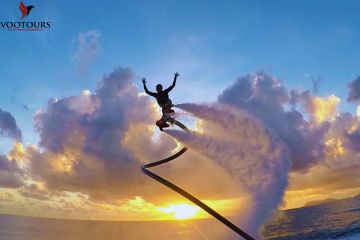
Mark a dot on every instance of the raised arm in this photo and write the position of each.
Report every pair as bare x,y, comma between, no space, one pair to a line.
174,83
147,90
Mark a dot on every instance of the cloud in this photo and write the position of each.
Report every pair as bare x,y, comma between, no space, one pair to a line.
88,47
11,175
36,191
263,96
354,90
353,139
335,174
8,126
324,180
81,137
250,141
17,152
6,197
309,127
316,133
341,143
321,182
95,143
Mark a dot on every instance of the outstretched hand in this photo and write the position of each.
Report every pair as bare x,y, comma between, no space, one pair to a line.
144,80
177,74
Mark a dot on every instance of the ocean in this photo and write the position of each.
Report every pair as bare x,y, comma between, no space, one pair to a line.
335,220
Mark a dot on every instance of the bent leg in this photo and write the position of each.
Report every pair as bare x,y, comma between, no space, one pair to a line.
162,123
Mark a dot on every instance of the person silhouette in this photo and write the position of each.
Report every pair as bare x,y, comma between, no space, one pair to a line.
162,98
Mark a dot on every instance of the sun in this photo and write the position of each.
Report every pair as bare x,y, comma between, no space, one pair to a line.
181,211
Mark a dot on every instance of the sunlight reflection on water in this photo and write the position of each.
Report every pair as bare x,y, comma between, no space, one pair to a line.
339,220
19,228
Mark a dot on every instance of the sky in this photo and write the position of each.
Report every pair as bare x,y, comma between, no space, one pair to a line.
209,43
69,71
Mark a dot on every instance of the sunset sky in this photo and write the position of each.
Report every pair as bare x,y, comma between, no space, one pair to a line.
75,125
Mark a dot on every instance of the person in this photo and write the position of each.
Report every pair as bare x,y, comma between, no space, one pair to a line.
162,98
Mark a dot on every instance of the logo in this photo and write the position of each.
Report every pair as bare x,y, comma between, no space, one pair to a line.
25,25
25,10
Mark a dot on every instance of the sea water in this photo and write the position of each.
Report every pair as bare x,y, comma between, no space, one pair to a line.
336,220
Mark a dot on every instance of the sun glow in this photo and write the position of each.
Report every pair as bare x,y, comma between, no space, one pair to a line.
181,211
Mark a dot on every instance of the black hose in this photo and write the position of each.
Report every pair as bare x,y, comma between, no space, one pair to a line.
186,194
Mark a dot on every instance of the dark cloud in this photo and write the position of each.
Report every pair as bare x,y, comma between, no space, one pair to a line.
11,176
299,97
353,140
263,96
8,126
354,90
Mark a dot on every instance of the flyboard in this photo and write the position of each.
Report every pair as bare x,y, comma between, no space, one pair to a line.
145,167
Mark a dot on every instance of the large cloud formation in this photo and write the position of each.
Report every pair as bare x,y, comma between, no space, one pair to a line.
95,143
256,136
309,128
8,126
83,139
263,96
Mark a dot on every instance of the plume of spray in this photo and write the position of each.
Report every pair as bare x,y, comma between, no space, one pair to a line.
252,154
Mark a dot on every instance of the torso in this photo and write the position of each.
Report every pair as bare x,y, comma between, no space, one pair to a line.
162,98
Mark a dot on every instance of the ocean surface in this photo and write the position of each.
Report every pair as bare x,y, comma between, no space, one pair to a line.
335,220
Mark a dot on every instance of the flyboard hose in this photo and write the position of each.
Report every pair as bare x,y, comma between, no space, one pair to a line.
185,194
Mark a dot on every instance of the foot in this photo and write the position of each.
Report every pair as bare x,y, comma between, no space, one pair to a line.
165,125
162,125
